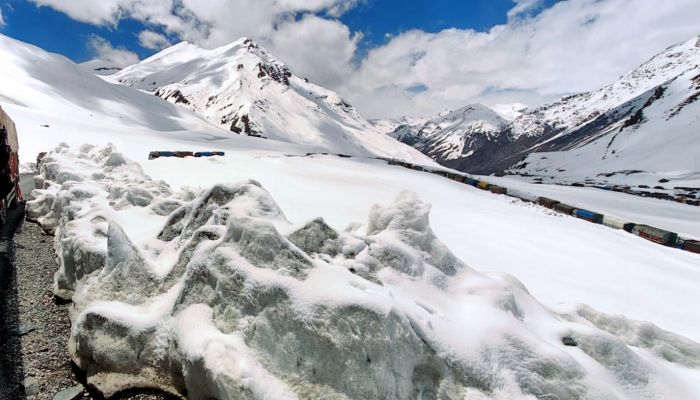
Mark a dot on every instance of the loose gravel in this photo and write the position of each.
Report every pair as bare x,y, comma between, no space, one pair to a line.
37,326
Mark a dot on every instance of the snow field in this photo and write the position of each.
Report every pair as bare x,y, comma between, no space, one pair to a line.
228,299
560,259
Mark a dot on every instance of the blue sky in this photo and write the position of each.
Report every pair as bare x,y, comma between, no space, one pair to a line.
378,20
56,32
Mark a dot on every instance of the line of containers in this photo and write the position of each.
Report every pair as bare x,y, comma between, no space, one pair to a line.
656,235
685,198
181,154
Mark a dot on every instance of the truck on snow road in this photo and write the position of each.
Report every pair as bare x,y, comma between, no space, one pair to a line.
10,193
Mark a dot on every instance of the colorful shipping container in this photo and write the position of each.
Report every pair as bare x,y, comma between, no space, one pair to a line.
589,215
546,202
656,235
209,153
692,246
498,190
564,208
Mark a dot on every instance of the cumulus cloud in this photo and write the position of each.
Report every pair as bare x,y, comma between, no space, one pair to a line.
103,50
319,48
153,40
212,21
539,54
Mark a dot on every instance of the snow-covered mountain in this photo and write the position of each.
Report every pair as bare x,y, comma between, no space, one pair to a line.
388,125
619,127
53,89
243,88
510,111
455,134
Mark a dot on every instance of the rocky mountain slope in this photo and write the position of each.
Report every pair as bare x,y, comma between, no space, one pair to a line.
453,135
618,127
243,88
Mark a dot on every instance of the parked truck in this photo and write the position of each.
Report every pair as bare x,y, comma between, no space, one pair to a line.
10,193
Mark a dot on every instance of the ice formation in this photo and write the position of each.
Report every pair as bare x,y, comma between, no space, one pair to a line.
229,300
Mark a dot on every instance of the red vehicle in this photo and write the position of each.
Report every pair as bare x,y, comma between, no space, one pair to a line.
10,193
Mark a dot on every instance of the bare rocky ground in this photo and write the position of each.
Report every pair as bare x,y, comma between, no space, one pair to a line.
35,327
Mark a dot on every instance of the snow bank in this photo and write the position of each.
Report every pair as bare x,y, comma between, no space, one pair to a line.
228,299
79,193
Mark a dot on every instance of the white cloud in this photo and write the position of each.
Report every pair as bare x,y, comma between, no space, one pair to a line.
207,20
572,46
153,40
94,12
2,20
104,51
319,48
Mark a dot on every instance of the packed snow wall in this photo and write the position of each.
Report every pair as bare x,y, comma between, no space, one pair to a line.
212,293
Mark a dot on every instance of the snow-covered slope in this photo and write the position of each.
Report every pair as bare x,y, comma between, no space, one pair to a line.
244,89
645,121
659,138
100,67
586,108
388,125
35,81
510,111
223,297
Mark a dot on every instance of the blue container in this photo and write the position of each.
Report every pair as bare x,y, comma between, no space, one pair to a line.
589,216
470,181
208,153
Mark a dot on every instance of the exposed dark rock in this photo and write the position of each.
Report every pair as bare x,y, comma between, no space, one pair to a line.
242,124
176,96
276,72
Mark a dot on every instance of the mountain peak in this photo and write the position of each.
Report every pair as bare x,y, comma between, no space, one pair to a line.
245,89
468,116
